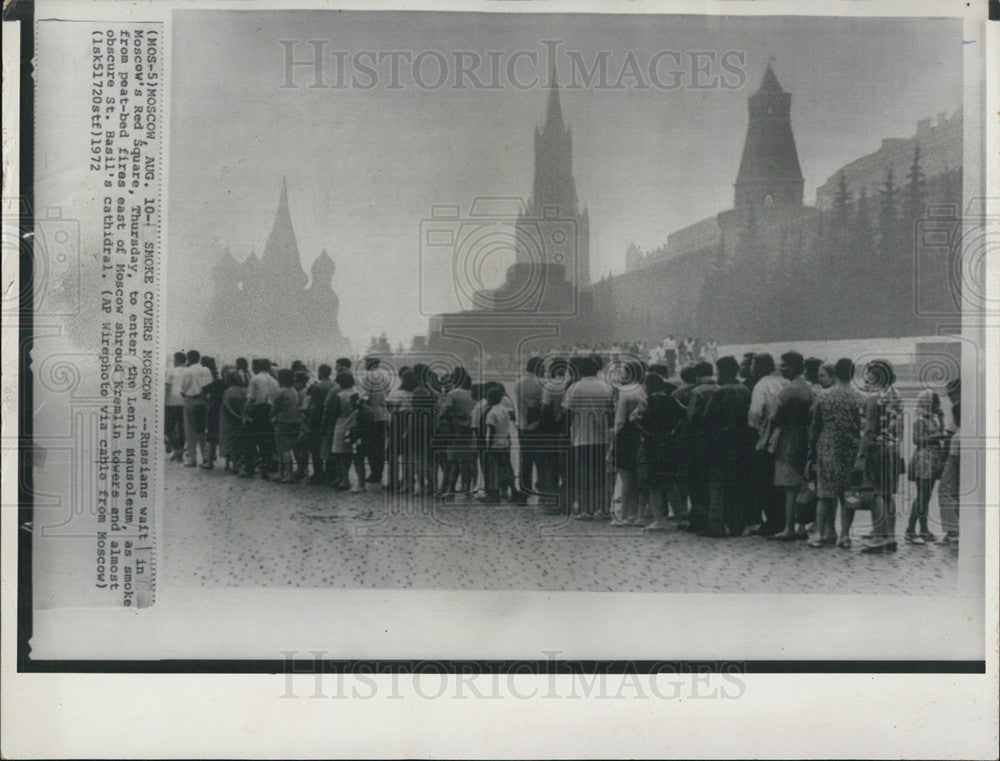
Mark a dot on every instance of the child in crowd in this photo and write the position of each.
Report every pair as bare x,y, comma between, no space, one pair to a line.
285,419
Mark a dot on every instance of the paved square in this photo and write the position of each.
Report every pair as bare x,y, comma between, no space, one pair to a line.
226,531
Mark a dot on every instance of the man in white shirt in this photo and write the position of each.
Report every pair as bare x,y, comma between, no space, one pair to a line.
196,377
763,403
590,405
173,415
261,392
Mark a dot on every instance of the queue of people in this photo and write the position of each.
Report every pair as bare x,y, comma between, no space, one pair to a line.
780,450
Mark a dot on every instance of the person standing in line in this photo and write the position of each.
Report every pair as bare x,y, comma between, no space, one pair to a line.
344,413
670,354
478,423
285,423
590,405
820,378
260,436
316,395
627,441
926,463
375,389
497,424
698,474
553,429
728,451
746,371
711,350
328,422
768,384
212,393
684,442
948,491
834,435
234,400
243,369
691,349
528,395
790,441
658,417
878,453
811,372
455,408
196,377
423,405
173,415
300,449
400,476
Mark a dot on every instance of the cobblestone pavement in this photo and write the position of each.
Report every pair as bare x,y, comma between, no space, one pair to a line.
221,530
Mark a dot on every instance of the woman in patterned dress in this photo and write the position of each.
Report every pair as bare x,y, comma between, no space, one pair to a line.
833,444
926,463
878,453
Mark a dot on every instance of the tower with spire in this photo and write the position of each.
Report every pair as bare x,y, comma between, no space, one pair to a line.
554,184
556,273
769,175
280,262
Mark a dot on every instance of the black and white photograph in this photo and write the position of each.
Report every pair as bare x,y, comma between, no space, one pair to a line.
580,303
585,344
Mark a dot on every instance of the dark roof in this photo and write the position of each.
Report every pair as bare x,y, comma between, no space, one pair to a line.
770,82
769,150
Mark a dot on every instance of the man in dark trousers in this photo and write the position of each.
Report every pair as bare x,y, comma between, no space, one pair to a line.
728,447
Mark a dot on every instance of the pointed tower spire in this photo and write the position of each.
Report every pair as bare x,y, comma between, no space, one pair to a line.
770,81
554,184
553,114
769,175
280,261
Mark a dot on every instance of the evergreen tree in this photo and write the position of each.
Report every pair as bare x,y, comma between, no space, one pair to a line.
888,218
842,201
915,196
893,275
914,209
861,273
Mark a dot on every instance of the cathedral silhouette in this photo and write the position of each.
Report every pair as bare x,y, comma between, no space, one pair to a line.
269,306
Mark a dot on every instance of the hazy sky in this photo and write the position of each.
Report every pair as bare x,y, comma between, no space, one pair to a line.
364,166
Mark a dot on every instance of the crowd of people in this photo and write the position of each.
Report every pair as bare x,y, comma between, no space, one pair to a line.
730,448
